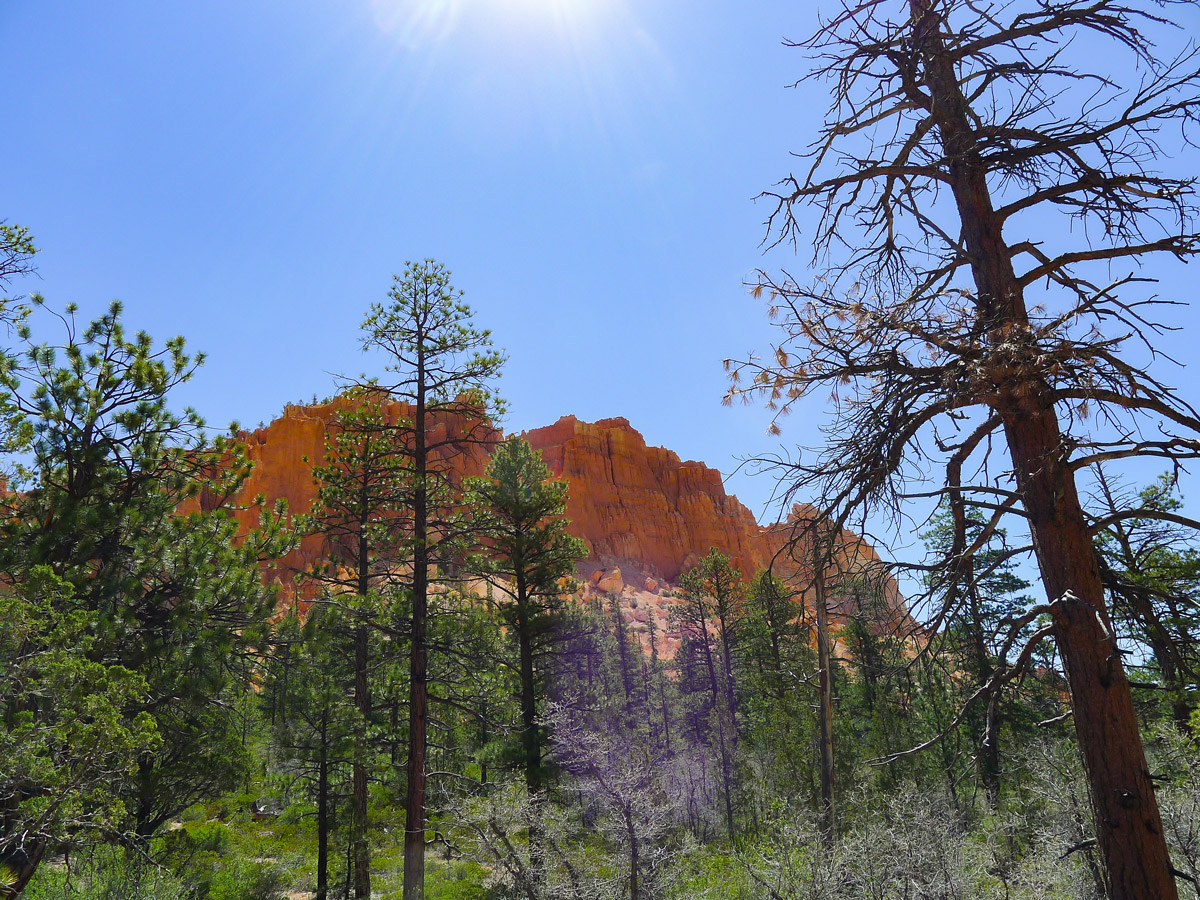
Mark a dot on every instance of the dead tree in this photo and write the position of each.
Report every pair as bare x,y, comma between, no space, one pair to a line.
988,193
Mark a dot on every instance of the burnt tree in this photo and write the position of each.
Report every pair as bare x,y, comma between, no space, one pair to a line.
988,192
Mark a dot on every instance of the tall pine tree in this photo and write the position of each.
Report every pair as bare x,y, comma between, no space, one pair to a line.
444,368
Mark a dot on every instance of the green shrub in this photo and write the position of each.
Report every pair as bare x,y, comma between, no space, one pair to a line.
105,875
240,879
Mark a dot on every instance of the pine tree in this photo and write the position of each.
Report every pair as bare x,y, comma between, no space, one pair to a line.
778,687
445,367
527,554
715,603
316,730
71,730
517,512
1150,561
123,507
980,594
360,511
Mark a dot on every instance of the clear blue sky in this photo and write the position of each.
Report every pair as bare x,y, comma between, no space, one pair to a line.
250,174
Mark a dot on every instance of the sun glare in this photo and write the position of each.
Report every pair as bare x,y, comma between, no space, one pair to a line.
422,22
528,67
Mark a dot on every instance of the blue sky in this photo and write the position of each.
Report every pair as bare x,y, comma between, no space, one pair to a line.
250,174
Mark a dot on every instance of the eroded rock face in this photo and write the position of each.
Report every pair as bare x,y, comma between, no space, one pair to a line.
643,505
646,515
649,516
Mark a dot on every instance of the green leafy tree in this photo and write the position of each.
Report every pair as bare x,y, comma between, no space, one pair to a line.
71,735
444,370
124,506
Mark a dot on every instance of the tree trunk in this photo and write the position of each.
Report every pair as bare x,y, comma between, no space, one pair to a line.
989,751
720,713
727,652
358,820
418,712
634,861
484,737
323,818
825,688
418,719
989,740
530,738
361,849
726,773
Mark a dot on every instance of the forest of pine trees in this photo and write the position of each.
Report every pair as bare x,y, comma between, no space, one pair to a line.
435,708
171,729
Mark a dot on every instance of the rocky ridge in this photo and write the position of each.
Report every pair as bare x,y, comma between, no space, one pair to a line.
646,515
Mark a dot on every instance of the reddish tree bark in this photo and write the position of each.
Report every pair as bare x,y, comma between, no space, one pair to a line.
1128,825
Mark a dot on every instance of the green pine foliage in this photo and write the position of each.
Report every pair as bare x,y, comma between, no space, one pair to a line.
73,727
528,558
1151,565
120,535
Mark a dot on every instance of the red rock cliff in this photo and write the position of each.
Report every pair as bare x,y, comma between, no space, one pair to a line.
649,516
642,505
646,514
284,453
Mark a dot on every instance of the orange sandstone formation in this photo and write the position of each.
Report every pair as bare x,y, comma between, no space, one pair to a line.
642,506
646,515
283,455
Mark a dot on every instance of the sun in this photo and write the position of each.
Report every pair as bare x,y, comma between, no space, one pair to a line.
424,22
540,6
416,22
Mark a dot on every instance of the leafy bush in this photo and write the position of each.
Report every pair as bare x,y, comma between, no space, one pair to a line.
239,879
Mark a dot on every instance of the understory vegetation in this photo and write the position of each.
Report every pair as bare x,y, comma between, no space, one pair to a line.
428,705
636,791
